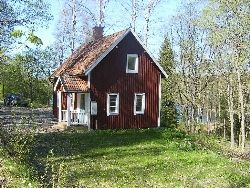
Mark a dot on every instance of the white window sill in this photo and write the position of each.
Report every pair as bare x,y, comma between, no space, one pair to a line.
139,113
113,114
133,72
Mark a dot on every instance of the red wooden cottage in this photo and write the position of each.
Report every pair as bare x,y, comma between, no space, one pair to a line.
113,82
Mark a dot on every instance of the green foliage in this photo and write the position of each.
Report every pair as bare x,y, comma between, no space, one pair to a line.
169,113
34,39
16,33
27,74
167,56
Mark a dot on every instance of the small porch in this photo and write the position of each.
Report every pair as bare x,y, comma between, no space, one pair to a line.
72,101
74,108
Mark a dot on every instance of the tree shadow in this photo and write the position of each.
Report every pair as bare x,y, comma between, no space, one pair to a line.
75,143
69,146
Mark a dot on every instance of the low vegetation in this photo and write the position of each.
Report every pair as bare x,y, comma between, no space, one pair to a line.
13,174
144,158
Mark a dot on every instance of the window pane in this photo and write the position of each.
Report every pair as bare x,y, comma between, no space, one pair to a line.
82,102
138,102
112,100
113,103
112,109
131,63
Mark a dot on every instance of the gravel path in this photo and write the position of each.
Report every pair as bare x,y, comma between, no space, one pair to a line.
42,118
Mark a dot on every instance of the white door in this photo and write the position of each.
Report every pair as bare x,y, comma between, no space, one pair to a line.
83,117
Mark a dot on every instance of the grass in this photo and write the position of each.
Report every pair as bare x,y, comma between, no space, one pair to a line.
135,158
13,174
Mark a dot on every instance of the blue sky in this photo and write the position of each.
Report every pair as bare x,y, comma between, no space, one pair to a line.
165,10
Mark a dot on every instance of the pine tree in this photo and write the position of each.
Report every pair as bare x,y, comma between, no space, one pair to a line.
168,110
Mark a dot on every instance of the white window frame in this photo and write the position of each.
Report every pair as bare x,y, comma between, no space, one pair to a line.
143,103
108,104
136,63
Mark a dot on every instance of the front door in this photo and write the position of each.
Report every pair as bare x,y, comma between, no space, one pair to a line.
82,108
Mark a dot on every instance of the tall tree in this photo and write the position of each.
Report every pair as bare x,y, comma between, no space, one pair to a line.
169,112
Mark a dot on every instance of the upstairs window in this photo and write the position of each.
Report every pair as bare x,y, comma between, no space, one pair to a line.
132,63
113,104
139,103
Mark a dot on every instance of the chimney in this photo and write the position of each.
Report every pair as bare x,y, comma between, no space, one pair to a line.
97,32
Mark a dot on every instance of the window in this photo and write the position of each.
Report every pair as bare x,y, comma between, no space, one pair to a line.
82,101
132,63
139,103
113,104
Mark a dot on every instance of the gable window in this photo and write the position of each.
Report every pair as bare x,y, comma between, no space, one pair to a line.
132,63
139,103
113,104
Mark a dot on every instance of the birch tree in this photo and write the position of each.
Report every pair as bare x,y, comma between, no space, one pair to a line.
74,27
229,27
148,12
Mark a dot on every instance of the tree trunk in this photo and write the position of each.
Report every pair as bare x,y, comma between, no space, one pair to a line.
242,110
73,25
3,91
208,127
230,106
224,129
134,14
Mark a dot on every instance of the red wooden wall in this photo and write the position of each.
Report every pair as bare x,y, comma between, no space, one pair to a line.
110,76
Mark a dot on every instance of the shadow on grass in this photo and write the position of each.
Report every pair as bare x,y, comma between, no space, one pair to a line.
69,145
74,143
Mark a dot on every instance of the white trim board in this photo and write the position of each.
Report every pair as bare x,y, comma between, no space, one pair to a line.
117,104
159,117
57,82
89,69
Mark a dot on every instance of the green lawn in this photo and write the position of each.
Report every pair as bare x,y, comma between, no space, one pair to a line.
140,158
14,174
134,158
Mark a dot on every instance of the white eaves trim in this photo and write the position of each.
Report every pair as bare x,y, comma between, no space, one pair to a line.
57,82
88,70
150,55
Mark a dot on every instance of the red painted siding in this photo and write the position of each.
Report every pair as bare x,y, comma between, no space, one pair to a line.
110,76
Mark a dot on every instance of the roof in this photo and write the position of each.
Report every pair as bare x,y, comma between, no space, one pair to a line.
88,56
73,83
85,55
